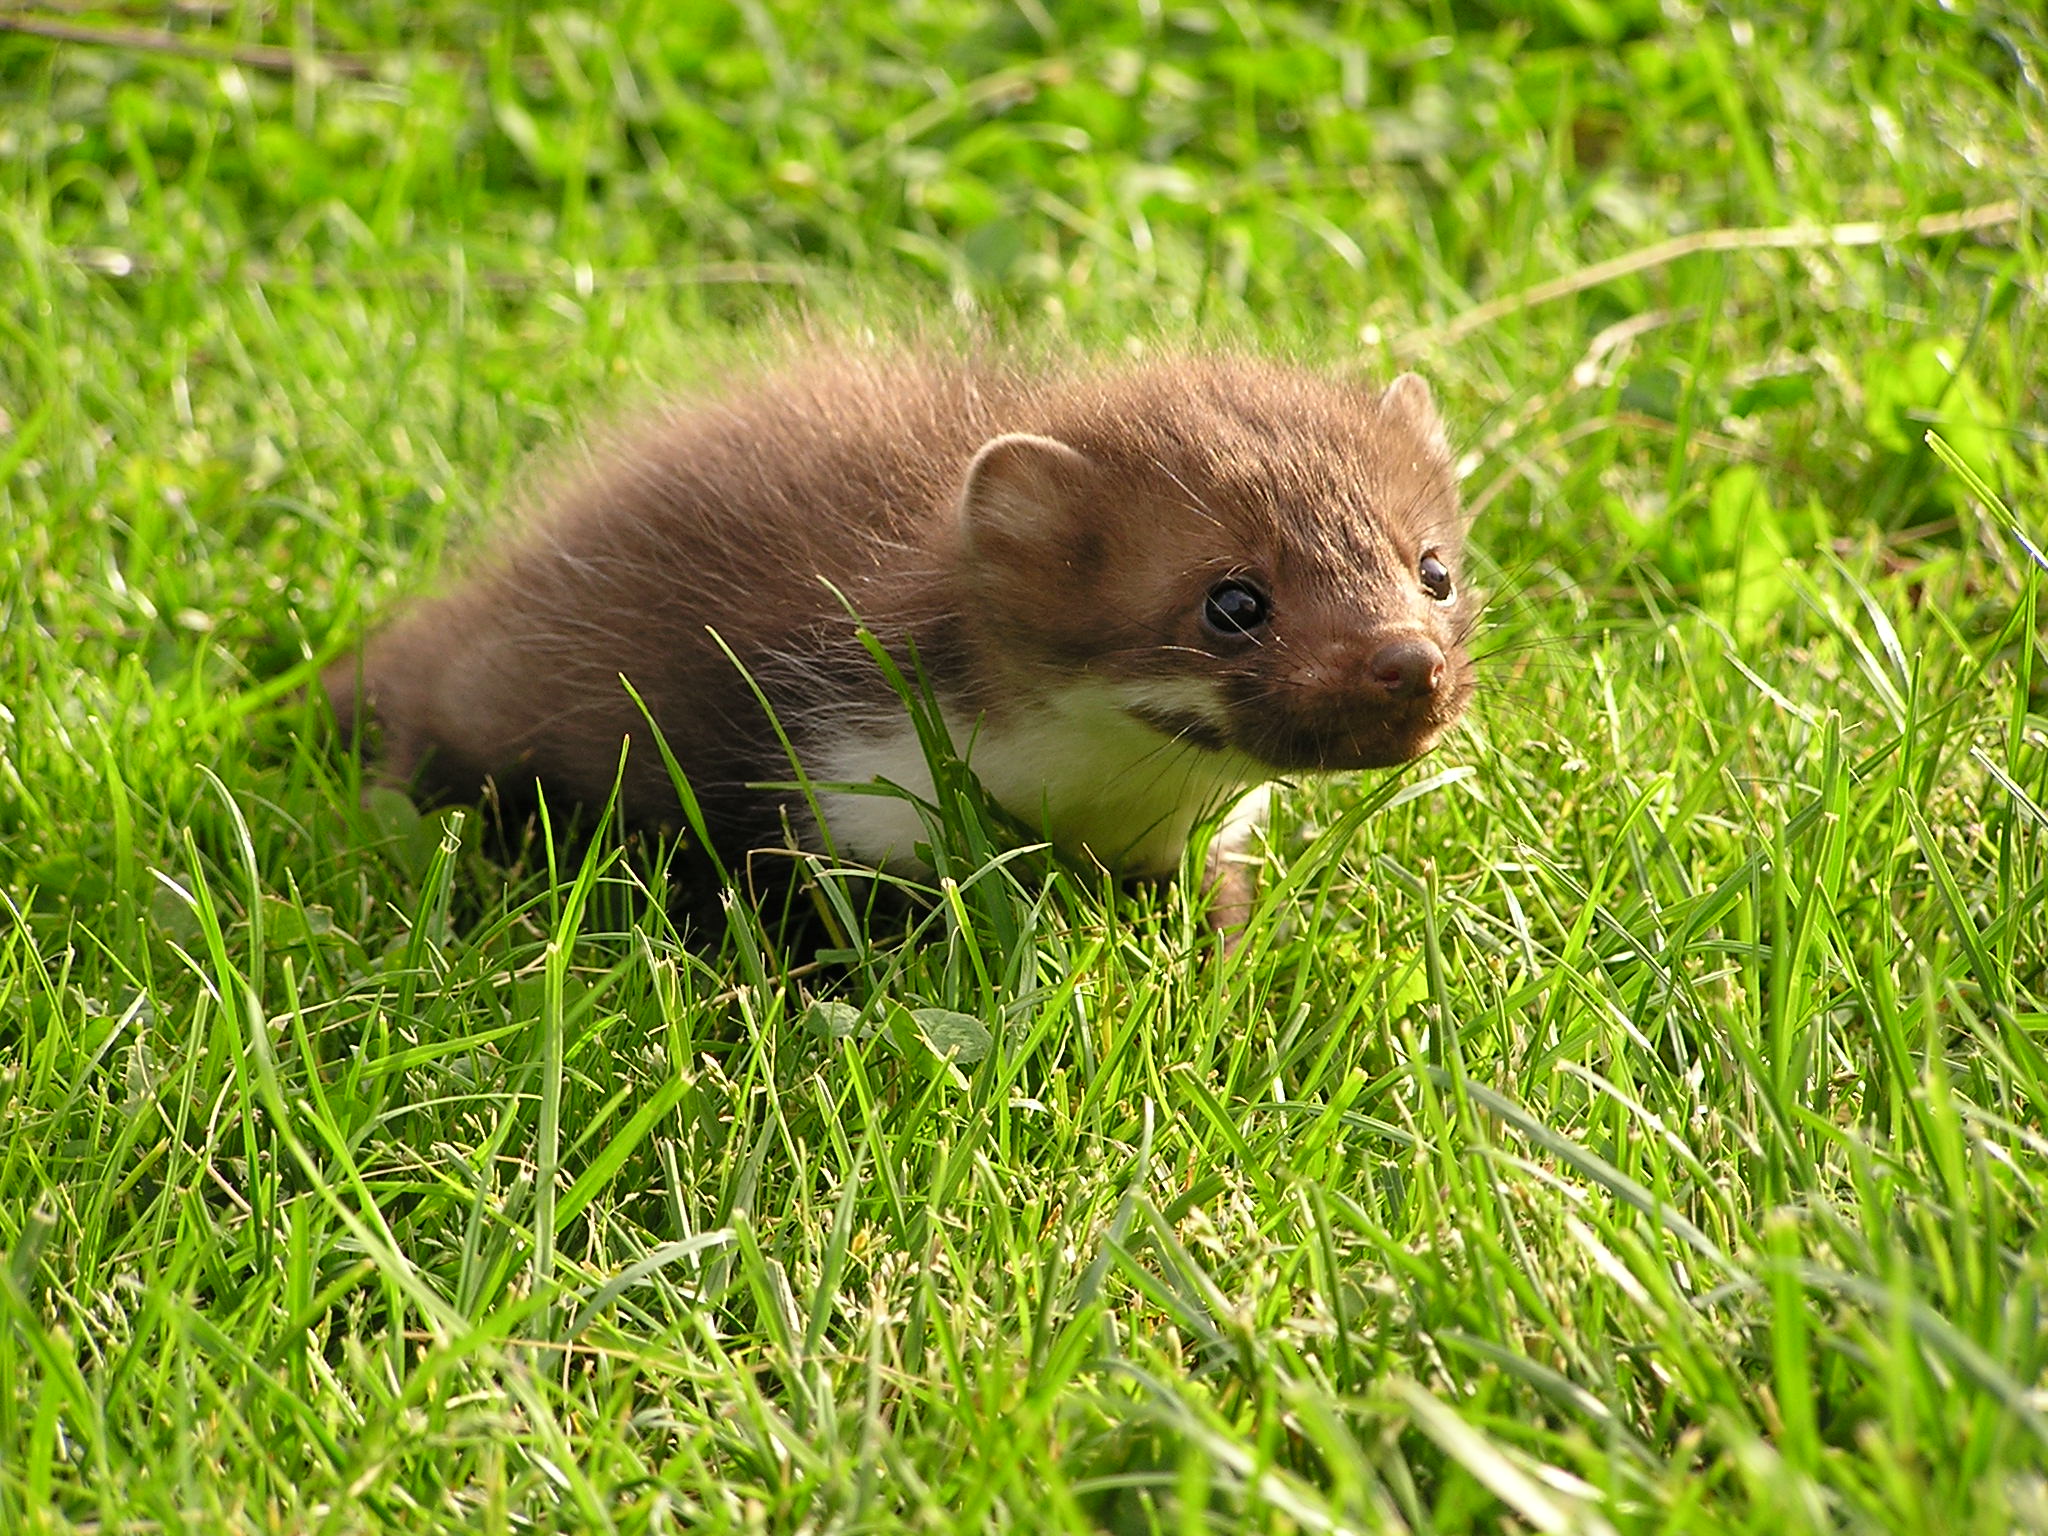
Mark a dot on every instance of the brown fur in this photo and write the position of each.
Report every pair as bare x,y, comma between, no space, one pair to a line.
1014,574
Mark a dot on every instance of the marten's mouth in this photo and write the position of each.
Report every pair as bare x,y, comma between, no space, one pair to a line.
1358,744
1318,753
1328,739
1300,735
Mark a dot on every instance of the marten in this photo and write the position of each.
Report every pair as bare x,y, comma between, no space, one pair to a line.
1136,593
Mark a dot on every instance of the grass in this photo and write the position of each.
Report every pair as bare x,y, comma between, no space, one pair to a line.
1632,1118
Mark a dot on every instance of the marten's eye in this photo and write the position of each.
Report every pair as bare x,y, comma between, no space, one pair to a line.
1235,609
1436,577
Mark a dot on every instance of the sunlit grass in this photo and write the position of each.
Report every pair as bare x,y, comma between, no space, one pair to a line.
1640,1127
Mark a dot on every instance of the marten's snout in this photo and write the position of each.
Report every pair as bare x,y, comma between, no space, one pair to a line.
1410,667
1356,701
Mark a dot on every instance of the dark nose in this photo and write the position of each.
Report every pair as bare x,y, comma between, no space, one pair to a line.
1408,668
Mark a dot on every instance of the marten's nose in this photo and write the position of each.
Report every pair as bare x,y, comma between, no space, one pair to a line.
1408,668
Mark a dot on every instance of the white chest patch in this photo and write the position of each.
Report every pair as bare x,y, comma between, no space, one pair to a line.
1092,780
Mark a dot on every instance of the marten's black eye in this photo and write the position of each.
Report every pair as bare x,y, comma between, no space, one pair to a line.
1234,609
1436,577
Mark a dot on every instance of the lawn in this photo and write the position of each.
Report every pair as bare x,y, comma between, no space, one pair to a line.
1632,1117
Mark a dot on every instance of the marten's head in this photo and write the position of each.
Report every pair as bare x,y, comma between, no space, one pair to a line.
1248,558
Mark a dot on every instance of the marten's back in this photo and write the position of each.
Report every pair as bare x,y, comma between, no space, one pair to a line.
726,517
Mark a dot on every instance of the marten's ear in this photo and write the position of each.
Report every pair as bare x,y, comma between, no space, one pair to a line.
1409,401
1017,487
